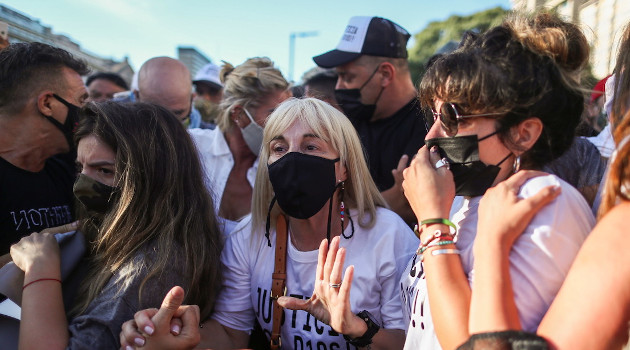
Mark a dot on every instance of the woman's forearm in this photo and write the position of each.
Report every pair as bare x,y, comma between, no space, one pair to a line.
43,322
448,292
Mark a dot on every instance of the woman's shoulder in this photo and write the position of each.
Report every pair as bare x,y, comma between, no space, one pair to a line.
569,198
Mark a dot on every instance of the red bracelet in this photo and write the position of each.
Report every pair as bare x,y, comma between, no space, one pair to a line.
39,280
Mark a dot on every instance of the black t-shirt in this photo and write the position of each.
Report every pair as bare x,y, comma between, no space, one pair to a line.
31,202
386,140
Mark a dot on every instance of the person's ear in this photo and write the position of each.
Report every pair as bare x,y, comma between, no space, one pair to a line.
526,133
44,103
235,114
387,71
342,175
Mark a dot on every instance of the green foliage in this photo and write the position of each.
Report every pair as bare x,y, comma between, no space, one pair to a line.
439,33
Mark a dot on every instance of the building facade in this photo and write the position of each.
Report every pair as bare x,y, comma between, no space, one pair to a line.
192,58
602,21
22,28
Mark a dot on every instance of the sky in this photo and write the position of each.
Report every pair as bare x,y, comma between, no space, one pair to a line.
228,30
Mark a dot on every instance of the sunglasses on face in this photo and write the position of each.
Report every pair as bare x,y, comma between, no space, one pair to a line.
450,118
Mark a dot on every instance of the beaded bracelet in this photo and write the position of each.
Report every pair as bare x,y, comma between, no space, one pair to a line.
437,234
433,244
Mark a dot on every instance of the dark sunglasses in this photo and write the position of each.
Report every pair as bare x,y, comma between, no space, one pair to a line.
450,118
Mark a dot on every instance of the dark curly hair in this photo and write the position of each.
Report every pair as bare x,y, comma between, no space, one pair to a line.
526,67
28,68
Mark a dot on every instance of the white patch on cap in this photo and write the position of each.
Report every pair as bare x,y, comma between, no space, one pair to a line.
354,36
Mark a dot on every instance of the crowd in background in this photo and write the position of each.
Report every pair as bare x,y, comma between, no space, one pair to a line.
482,209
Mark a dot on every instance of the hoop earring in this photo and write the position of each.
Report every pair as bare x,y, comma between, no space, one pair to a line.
516,166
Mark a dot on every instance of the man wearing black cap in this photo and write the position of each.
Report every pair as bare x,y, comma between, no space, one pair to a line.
375,91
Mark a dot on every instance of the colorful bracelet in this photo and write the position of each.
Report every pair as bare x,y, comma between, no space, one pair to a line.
39,280
445,251
437,234
434,244
439,221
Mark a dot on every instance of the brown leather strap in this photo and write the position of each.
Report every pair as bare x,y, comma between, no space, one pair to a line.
279,277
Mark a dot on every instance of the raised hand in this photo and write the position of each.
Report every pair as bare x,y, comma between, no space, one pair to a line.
330,302
429,190
515,212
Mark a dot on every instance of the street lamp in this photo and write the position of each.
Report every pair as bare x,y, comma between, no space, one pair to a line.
292,37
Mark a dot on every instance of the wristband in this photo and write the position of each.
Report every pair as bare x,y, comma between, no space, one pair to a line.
39,280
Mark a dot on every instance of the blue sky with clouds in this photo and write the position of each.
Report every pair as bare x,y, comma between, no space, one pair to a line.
230,30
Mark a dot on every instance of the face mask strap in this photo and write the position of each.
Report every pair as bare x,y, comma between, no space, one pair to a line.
268,222
488,136
370,78
504,159
249,115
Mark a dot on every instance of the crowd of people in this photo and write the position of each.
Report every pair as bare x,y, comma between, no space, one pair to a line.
224,211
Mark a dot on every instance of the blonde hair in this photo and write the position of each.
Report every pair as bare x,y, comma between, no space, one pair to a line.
334,128
247,85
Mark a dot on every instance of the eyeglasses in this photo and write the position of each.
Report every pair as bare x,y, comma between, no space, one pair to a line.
450,118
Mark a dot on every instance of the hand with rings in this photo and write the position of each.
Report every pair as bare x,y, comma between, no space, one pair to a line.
429,190
442,163
330,302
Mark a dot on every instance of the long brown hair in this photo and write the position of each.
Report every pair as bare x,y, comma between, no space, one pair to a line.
163,204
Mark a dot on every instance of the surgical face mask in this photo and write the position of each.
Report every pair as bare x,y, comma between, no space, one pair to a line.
72,121
472,177
96,197
610,94
350,102
252,134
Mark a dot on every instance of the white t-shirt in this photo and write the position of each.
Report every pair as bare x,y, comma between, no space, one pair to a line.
539,261
217,162
379,256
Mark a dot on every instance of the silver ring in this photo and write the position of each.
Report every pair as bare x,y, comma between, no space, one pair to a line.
335,285
441,163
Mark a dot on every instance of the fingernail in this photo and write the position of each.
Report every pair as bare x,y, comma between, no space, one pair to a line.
138,341
175,329
434,149
128,347
148,330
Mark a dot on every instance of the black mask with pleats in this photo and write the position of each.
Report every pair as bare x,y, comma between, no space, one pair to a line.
472,177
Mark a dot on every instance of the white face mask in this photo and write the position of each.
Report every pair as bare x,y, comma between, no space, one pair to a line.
252,134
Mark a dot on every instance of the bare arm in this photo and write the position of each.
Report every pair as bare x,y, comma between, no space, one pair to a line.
43,322
597,287
430,192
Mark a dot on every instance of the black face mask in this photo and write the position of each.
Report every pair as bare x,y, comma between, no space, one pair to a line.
350,102
72,121
472,177
302,183
96,197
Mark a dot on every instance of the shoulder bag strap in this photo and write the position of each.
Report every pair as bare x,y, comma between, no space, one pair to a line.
279,277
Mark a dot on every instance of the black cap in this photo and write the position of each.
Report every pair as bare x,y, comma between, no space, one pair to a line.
373,36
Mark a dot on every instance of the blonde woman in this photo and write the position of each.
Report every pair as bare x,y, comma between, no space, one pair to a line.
230,152
316,176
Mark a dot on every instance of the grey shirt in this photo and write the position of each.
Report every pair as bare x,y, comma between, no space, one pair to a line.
100,325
